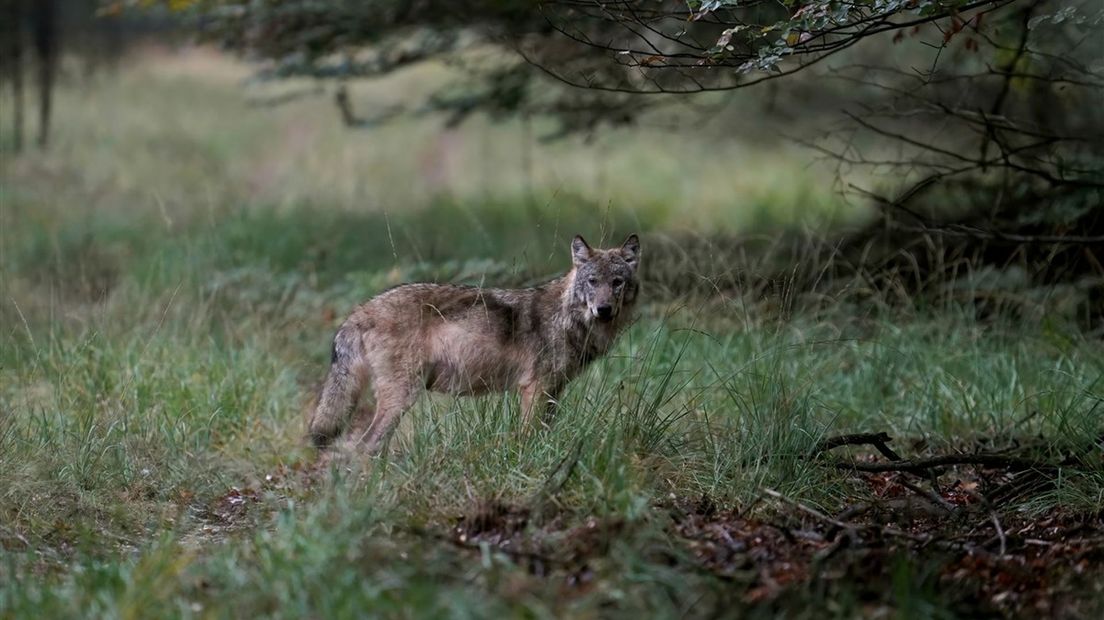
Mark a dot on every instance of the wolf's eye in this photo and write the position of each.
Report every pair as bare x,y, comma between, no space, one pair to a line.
592,281
618,282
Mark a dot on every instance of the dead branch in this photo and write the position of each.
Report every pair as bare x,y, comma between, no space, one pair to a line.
944,460
924,465
957,230
878,440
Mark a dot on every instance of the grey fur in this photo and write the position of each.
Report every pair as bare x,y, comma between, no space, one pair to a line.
468,341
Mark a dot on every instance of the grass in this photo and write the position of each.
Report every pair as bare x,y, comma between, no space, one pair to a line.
174,268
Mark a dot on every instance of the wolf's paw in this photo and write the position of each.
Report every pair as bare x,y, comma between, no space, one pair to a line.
321,440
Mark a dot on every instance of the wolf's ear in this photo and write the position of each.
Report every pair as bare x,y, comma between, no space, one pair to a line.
630,251
580,251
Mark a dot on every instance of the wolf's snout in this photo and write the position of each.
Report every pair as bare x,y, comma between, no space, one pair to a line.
605,313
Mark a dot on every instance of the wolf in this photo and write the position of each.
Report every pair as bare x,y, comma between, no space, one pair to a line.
466,341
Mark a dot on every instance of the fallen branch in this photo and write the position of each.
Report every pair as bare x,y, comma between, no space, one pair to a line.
878,440
922,465
945,460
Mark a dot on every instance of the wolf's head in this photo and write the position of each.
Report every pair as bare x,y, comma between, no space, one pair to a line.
605,280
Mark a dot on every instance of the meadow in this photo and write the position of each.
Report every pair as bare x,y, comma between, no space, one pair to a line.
174,267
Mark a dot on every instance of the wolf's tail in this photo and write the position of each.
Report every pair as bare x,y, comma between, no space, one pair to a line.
342,388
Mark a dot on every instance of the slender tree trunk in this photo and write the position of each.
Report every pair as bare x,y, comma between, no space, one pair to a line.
44,20
16,61
11,61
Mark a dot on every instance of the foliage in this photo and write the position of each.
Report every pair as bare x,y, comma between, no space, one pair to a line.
610,48
324,38
998,116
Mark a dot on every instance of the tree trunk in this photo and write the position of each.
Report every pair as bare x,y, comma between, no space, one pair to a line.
17,87
11,62
44,29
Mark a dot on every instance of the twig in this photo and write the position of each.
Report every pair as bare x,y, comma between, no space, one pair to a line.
1027,482
812,511
16,535
878,440
840,543
956,230
477,546
931,496
1000,532
847,513
556,480
851,529
994,519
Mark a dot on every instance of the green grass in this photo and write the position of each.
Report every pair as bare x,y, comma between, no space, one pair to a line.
174,268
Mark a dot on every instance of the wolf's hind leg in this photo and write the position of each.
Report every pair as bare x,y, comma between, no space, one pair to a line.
361,419
342,389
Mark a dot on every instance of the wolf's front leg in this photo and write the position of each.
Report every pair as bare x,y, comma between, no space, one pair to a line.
539,402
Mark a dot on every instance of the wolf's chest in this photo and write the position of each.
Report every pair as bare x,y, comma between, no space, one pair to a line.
583,346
